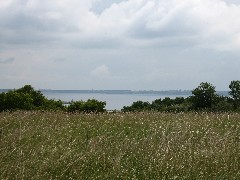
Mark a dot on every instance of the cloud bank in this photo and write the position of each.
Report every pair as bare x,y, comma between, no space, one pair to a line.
142,34
173,22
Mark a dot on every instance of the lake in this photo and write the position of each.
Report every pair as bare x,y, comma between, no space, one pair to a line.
114,101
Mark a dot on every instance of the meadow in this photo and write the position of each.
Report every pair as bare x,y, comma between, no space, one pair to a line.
146,145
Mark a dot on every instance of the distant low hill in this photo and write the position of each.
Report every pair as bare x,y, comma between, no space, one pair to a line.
165,92
170,92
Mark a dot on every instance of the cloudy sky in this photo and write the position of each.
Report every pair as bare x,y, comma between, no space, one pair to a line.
119,44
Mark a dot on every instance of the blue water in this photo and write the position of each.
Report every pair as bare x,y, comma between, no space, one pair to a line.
114,101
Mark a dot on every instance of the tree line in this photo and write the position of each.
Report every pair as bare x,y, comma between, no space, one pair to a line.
204,98
26,98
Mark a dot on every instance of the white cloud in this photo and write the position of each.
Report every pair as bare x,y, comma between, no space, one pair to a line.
101,71
186,20
134,34
211,24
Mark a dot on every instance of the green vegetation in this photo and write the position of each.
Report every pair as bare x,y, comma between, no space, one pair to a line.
204,98
178,104
177,138
26,98
149,145
90,105
235,93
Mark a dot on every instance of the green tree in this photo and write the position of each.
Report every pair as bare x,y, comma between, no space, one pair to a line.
2,101
156,104
13,100
235,93
26,98
27,89
37,96
204,96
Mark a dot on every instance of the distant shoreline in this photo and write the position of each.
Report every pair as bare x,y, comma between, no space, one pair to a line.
165,92
170,92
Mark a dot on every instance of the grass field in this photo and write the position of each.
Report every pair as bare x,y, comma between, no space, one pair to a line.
57,145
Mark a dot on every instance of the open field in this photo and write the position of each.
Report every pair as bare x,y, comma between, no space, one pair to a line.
58,145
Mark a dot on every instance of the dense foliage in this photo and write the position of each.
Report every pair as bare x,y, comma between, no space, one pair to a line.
167,104
26,98
204,98
235,93
90,105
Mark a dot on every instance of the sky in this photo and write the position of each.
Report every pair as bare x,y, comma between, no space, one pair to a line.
121,44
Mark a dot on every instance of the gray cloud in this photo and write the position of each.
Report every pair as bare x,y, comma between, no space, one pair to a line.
102,5
7,60
236,2
118,23
167,44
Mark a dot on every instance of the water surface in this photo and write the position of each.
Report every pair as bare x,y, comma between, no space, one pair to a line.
114,101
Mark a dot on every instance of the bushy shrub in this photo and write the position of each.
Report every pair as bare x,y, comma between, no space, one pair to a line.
91,105
137,106
167,104
223,104
54,105
75,106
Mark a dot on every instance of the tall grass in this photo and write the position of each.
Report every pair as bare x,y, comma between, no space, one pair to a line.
48,145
